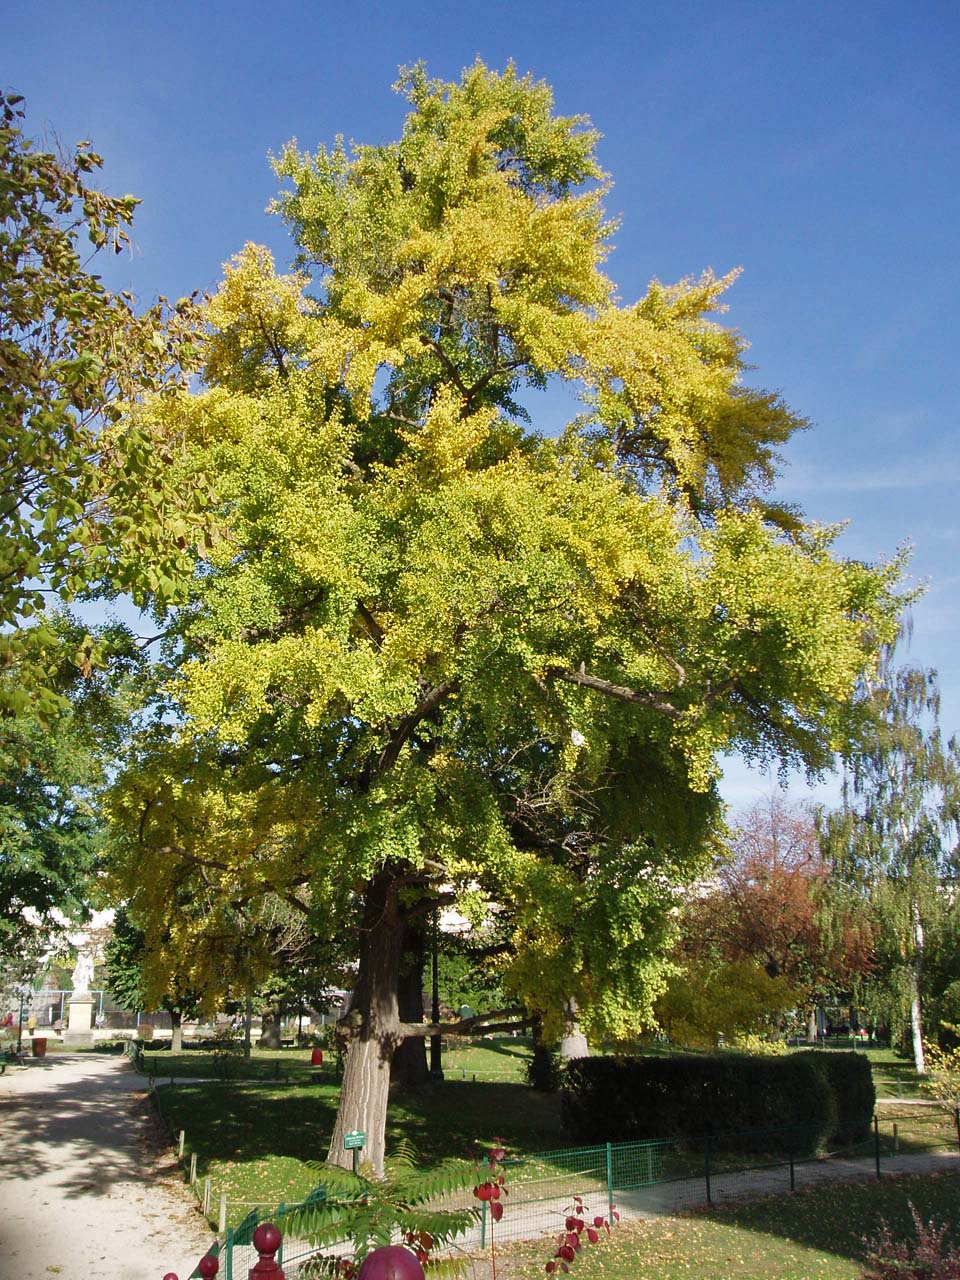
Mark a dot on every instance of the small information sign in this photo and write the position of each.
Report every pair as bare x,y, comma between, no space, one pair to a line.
354,1140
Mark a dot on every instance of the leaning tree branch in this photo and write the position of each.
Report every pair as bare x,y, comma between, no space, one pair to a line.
510,1020
427,705
655,701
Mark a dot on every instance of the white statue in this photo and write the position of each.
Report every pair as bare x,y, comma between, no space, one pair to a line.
82,974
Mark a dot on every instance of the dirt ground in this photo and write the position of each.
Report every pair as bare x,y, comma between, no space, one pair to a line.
87,1184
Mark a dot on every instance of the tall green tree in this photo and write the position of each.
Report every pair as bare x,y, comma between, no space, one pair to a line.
52,772
86,503
435,655
123,957
895,836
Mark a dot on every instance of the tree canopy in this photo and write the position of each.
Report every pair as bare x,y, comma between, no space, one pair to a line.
435,654
85,500
53,770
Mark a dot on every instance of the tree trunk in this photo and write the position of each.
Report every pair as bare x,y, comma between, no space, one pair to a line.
409,1069
176,1030
542,1075
812,1026
916,1012
371,1029
573,1043
270,1028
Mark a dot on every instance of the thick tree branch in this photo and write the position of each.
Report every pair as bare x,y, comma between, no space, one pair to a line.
427,705
374,629
509,1020
655,701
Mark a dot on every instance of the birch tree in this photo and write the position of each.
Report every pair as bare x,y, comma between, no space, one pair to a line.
895,835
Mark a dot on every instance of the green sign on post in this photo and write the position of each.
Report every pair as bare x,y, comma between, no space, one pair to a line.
354,1141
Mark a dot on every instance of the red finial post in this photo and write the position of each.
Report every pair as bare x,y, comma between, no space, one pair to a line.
391,1262
266,1241
208,1266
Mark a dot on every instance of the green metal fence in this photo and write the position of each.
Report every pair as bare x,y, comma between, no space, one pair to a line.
637,1179
236,1251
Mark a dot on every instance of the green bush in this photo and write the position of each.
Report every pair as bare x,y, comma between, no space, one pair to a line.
544,1071
756,1103
851,1082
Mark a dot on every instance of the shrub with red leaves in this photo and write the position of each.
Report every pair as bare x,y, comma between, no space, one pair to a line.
932,1256
570,1239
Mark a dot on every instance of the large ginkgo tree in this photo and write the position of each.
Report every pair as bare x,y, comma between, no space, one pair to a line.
438,654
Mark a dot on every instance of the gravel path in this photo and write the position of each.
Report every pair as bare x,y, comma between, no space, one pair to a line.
87,1185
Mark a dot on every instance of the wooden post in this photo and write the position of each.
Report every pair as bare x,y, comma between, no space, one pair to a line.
876,1143
181,1146
193,1168
222,1223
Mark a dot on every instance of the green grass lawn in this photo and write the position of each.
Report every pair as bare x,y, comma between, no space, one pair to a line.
487,1059
893,1076
814,1235
490,1058
206,1064
266,1143
263,1140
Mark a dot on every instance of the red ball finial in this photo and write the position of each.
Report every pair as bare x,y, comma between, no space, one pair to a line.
266,1241
171,1275
390,1262
266,1238
208,1265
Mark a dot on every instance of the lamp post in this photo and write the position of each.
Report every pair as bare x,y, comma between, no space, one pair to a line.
436,1064
20,1025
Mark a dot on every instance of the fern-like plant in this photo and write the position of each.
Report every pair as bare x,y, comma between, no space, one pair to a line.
367,1212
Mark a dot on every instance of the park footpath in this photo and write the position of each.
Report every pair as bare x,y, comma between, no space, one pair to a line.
88,1185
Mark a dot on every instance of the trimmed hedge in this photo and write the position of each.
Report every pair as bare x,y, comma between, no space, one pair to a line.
801,1101
851,1080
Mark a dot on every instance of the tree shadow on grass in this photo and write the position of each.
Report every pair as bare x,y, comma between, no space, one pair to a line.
513,1049
897,1079
835,1218
457,1118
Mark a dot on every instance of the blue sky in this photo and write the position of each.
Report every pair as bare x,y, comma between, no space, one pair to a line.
814,145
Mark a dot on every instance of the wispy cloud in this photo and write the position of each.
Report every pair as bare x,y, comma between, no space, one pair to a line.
897,473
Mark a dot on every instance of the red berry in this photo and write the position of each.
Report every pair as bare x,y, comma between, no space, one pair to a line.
496,1210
